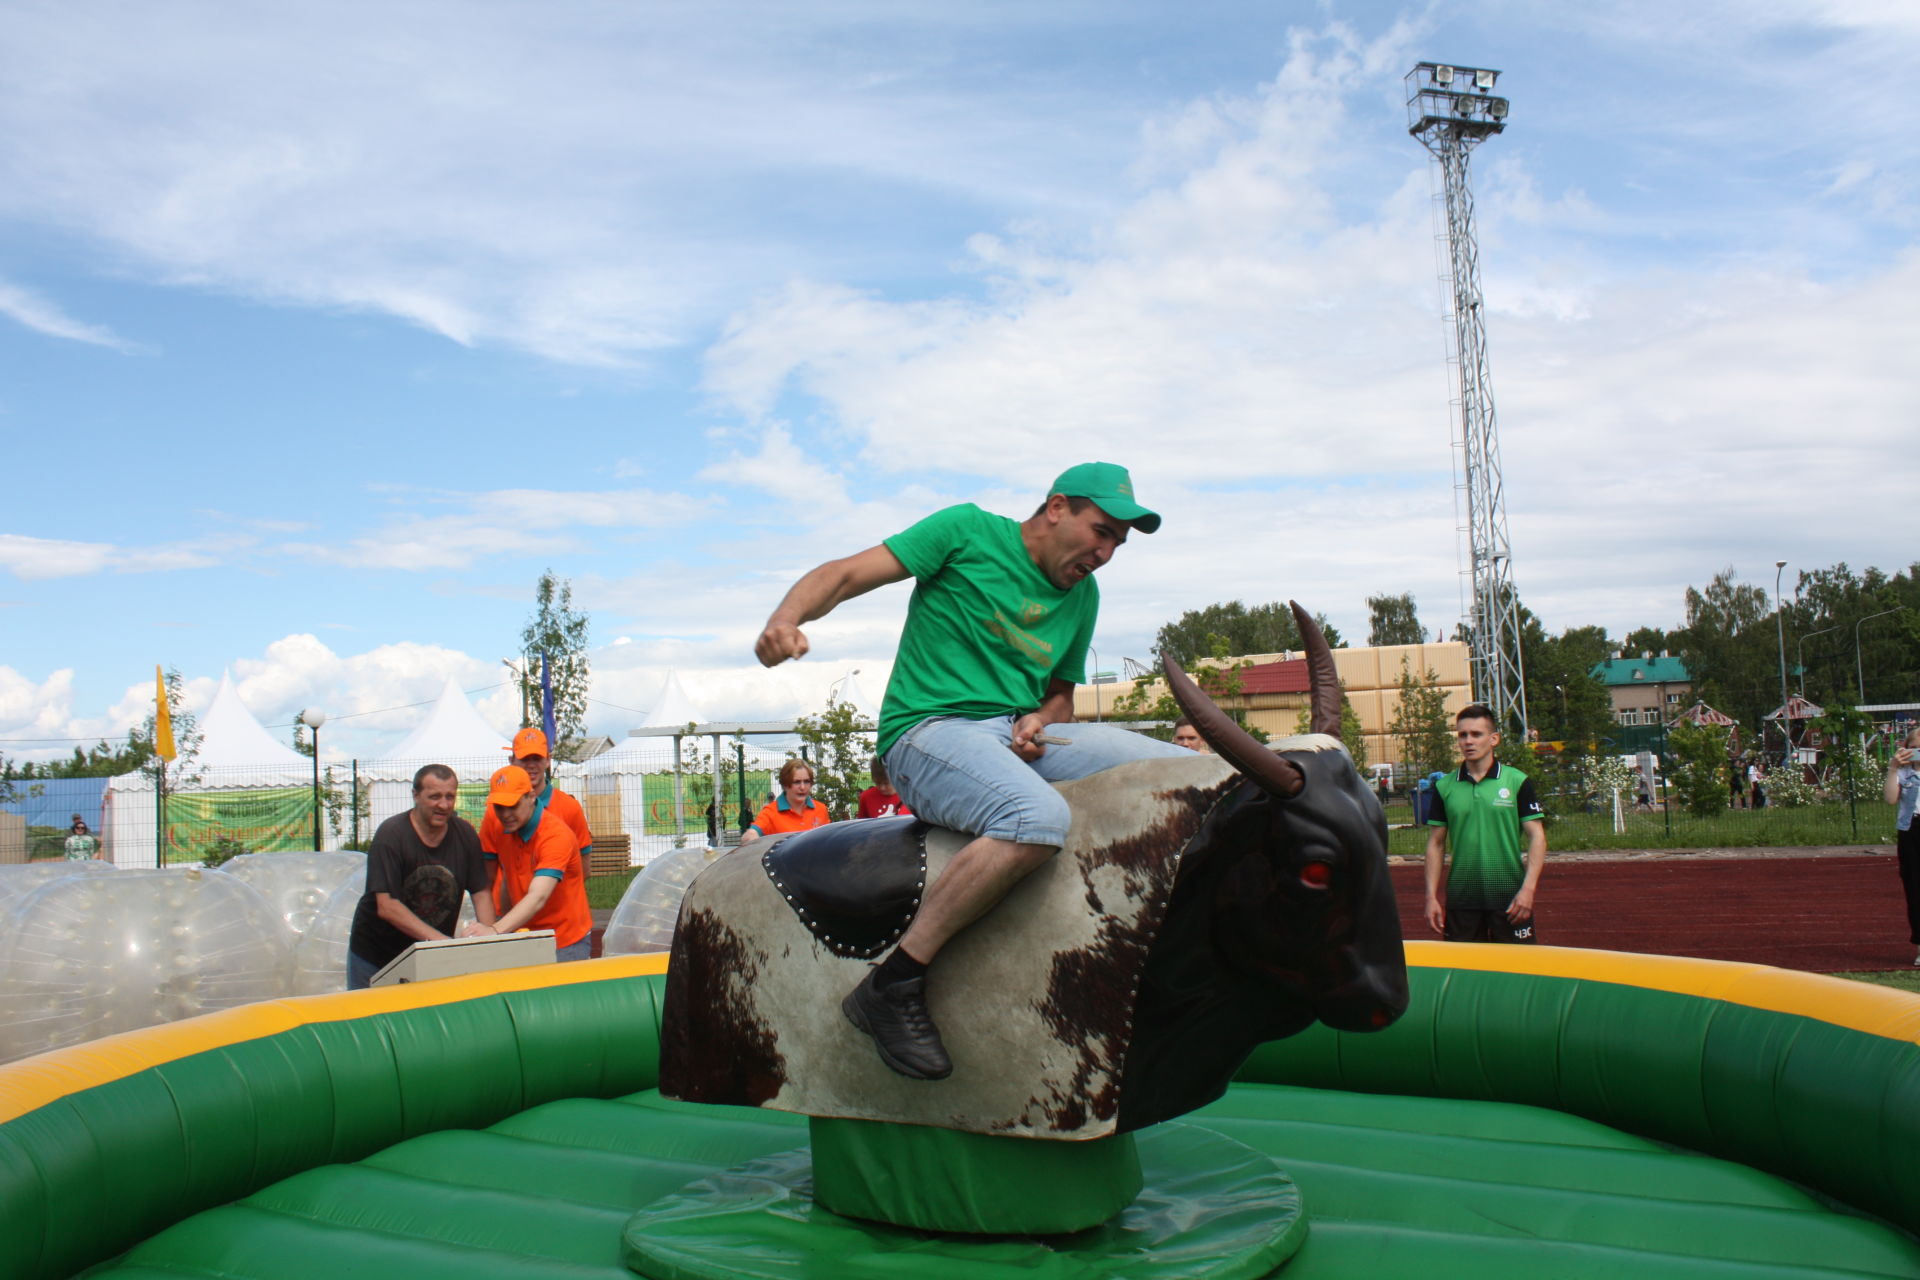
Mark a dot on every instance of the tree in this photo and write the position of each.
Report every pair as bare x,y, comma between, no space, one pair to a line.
558,632
840,746
1393,620
1647,640
1351,734
1729,645
1266,628
1219,677
1422,724
1566,702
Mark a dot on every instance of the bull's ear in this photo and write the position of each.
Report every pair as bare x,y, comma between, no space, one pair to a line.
1274,774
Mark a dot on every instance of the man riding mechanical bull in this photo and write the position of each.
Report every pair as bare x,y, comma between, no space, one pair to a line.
977,727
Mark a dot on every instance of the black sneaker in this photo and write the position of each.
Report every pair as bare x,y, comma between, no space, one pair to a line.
902,1029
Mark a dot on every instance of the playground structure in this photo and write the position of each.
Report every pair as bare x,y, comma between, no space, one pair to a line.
1536,1111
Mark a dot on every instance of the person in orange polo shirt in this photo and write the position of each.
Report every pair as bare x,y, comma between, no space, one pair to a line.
530,753
794,809
540,871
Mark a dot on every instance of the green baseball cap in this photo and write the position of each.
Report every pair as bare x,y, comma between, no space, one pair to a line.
1108,485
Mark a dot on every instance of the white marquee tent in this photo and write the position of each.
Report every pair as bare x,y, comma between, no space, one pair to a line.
453,734
622,771
236,754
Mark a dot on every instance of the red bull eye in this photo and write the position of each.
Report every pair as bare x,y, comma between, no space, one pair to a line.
1316,875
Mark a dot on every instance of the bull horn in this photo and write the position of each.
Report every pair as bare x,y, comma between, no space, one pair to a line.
1274,774
1324,681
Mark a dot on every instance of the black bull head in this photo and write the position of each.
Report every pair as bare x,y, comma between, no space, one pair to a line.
1200,908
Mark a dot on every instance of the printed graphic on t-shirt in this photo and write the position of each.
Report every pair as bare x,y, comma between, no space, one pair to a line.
431,893
1031,647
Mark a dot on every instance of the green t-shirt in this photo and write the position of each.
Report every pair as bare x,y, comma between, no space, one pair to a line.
1487,859
985,630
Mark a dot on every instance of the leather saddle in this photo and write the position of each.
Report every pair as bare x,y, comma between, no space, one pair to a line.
856,886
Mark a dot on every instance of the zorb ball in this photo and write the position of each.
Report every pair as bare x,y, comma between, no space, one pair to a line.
16,881
91,955
645,918
320,955
298,884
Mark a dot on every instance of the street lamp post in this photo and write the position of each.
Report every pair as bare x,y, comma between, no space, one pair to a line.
313,718
1800,652
1859,671
1780,625
1094,679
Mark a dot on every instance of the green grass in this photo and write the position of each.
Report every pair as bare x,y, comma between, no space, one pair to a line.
604,892
1826,824
1903,979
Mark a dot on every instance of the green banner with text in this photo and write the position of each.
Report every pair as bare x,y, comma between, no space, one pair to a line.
267,819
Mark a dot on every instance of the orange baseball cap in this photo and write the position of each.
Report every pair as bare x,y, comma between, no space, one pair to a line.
508,785
529,742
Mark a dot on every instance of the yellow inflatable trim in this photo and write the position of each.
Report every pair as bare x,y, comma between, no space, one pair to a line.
1857,1006
34,1082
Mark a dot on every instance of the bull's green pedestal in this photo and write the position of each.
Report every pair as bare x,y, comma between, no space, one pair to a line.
1172,1201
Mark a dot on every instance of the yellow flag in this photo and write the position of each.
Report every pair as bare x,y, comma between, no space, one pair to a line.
163,718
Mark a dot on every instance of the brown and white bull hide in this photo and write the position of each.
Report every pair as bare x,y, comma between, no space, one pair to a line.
1036,1001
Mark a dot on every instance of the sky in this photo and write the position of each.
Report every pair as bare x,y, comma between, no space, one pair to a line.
325,328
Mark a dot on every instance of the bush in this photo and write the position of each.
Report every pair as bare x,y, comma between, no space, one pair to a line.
1605,775
1788,788
1699,768
222,850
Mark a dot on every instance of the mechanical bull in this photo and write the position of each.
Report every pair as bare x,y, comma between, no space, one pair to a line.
1199,908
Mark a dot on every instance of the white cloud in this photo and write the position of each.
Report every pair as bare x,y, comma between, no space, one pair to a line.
38,558
1269,360
522,522
569,180
25,307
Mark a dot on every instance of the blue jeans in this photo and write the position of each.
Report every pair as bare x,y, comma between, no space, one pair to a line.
359,972
581,950
962,774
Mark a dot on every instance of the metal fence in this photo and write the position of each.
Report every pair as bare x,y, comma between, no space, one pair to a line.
204,810
1670,826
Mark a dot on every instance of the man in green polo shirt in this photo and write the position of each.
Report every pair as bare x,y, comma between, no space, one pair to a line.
995,640
1487,811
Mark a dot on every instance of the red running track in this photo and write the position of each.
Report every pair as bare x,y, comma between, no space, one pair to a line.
1817,914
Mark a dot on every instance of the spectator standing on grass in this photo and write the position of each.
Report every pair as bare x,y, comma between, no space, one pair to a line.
1756,793
1902,790
82,845
1489,813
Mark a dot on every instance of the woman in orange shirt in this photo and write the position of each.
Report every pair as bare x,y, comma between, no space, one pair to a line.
794,809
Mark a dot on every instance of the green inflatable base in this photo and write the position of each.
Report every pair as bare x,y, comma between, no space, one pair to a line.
912,1175
1212,1209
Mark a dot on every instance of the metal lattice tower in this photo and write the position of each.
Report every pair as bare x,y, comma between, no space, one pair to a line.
1451,110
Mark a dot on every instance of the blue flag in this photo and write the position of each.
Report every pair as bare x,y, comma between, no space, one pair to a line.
546,702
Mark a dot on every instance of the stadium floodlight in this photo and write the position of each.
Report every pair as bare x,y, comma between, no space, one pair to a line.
1450,123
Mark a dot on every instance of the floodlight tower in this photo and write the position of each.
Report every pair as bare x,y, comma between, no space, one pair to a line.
1451,110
